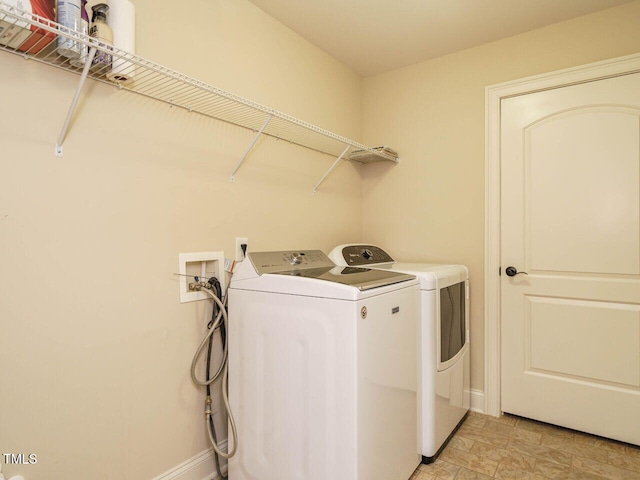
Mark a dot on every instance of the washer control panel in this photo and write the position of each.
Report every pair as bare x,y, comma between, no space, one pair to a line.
359,255
287,261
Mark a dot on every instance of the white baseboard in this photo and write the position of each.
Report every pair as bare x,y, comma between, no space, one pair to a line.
477,401
199,467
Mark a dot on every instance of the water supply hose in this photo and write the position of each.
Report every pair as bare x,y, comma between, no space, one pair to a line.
221,319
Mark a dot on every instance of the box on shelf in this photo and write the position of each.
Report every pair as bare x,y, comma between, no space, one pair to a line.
19,34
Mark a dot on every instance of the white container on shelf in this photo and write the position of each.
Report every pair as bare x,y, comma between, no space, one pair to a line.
122,20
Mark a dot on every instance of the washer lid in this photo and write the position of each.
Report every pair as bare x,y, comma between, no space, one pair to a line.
361,278
315,264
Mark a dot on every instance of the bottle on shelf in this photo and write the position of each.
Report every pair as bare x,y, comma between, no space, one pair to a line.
68,15
103,33
83,49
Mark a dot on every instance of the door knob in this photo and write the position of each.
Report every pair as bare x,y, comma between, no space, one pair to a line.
513,271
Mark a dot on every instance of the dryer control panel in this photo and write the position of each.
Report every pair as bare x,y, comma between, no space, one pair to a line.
359,255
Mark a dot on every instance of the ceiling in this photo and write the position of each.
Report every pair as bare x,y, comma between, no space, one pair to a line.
374,36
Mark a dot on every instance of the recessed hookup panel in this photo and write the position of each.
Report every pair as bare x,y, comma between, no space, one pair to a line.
201,264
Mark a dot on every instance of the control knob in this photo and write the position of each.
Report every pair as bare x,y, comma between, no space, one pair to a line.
296,258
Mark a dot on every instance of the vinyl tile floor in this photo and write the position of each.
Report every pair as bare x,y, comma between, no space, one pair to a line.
516,448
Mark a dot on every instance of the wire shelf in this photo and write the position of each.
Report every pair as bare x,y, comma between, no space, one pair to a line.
36,38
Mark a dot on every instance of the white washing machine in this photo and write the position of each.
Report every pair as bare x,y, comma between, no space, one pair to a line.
444,387
322,370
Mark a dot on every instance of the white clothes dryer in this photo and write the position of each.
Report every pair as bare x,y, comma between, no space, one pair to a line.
322,370
444,388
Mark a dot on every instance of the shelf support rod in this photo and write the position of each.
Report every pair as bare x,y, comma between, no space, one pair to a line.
74,103
335,164
255,139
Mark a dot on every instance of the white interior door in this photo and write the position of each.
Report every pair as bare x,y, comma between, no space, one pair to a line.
570,218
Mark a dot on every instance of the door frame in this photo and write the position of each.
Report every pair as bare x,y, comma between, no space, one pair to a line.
493,96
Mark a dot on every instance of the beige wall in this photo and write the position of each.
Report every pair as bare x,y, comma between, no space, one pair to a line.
431,206
95,347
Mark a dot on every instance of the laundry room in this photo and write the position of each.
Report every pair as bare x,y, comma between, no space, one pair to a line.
99,198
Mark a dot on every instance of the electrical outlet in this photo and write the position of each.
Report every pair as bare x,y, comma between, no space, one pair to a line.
201,264
239,242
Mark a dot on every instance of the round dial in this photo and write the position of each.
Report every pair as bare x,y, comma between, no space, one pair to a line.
296,258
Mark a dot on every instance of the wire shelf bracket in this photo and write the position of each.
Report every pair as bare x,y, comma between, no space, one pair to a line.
74,103
255,139
331,169
35,39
